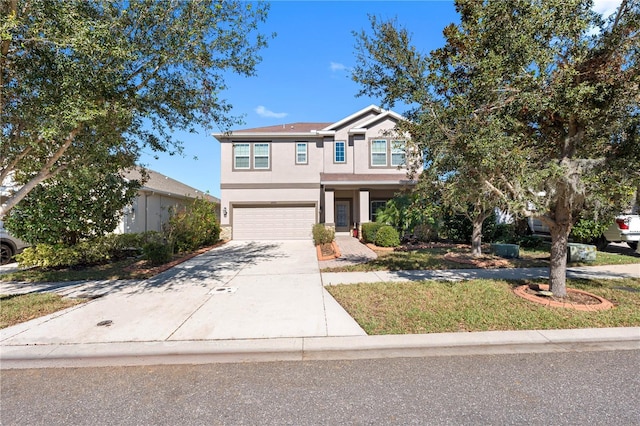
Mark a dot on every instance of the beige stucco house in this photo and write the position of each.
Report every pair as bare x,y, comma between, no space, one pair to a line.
152,205
277,182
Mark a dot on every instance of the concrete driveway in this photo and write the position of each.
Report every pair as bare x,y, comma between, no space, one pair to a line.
241,290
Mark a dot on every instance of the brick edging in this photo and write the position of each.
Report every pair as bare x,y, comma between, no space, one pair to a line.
336,252
604,304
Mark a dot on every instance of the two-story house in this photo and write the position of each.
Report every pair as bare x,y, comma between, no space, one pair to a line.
277,182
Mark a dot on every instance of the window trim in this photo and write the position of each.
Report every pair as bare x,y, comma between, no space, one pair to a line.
402,151
344,152
372,212
389,152
306,152
247,156
252,157
385,153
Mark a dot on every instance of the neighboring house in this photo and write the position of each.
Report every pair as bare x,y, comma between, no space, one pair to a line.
277,182
151,207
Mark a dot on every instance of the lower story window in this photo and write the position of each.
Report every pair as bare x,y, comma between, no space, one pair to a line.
375,206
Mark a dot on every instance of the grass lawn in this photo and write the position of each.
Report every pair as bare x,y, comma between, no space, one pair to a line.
479,305
434,258
21,308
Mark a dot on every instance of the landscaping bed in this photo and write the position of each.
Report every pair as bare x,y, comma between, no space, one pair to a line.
433,256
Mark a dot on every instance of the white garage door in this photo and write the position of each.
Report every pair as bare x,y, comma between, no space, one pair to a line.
273,223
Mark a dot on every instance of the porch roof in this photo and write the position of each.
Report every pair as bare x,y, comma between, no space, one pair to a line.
337,179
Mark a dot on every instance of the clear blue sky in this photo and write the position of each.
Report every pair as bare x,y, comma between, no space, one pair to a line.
305,73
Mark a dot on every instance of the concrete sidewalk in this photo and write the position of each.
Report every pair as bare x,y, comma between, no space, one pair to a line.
251,301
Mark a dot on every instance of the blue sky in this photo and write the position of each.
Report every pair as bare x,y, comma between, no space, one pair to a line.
305,73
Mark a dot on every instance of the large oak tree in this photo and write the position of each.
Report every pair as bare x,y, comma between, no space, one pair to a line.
534,102
88,82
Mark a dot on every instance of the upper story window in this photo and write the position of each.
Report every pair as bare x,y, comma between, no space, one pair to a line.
241,157
251,156
339,154
261,156
387,153
398,153
301,153
379,152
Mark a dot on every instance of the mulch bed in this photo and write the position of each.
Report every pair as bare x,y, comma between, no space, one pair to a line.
483,261
575,299
328,251
144,268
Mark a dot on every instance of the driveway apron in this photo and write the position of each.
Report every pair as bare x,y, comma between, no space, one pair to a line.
241,290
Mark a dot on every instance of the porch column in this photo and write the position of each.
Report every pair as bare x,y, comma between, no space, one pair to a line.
364,206
329,209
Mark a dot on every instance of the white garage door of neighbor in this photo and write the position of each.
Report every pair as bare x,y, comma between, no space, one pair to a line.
273,223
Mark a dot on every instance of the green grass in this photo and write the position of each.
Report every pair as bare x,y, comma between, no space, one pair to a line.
20,308
478,305
433,258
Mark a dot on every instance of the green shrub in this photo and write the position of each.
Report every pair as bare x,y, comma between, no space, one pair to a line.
531,241
387,236
193,227
369,231
501,233
587,231
157,253
322,234
425,232
94,251
49,256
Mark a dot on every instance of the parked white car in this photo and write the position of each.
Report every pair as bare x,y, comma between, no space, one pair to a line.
625,229
9,246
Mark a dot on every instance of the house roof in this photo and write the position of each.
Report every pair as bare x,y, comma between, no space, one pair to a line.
370,115
286,128
160,183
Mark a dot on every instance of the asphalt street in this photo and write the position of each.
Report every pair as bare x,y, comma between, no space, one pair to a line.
573,388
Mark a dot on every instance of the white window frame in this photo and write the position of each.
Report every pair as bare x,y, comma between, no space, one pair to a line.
379,153
305,145
344,152
247,156
398,147
267,156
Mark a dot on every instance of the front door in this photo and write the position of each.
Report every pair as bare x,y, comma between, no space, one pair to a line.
343,217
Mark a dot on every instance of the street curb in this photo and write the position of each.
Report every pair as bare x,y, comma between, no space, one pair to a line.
317,348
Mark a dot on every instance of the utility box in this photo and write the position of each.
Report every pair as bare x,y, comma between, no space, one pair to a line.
581,252
508,251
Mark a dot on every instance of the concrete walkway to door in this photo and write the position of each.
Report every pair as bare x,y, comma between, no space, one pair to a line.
241,290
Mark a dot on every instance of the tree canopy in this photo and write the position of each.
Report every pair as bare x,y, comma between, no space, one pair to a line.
89,82
531,103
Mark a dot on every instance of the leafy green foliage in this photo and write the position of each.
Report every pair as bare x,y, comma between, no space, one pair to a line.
193,227
99,250
73,206
322,234
387,236
88,82
370,230
587,230
157,252
528,104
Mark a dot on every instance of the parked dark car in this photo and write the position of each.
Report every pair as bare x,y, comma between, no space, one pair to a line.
9,246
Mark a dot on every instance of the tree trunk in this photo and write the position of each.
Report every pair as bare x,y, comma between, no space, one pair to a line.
558,265
476,236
